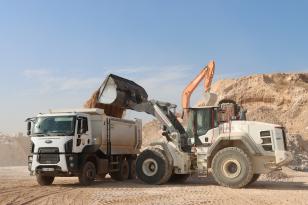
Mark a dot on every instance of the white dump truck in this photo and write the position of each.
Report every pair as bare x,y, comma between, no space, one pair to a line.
84,143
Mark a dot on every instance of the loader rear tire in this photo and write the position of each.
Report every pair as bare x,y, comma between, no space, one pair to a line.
44,180
232,167
178,178
153,166
123,172
254,178
88,173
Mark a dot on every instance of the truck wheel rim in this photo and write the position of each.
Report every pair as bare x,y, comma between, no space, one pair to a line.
149,167
231,168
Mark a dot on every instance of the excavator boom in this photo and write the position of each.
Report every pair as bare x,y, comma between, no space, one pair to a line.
207,74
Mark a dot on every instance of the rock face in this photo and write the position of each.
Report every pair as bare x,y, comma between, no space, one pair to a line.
275,98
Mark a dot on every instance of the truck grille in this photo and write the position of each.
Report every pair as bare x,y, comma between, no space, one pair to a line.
48,155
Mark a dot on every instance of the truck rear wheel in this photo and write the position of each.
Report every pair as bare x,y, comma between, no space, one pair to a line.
231,167
178,178
88,173
44,180
122,173
132,169
153,167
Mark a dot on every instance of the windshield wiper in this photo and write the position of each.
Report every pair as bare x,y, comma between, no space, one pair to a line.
41,134
60,133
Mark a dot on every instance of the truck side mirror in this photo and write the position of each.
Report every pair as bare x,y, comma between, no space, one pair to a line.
79,126
29,128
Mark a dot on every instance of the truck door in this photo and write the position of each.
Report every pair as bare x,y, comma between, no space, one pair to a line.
83,134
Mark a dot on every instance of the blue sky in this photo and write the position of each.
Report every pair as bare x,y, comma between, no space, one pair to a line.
54,53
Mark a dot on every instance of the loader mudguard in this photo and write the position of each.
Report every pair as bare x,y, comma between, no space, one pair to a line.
165,148
249,144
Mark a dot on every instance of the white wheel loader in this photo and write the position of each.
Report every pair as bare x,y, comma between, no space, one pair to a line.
235,152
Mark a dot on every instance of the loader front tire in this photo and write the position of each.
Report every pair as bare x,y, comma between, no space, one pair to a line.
254,178
232,167
153,167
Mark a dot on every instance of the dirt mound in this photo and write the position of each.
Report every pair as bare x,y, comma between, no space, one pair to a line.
298,147
275,98
14,150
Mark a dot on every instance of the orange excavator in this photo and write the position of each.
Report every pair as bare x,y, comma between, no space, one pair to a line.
209,99
229,108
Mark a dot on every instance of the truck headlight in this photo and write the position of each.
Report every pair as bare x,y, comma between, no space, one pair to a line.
71,158
71,164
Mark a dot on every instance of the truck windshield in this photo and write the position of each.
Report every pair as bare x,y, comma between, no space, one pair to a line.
55,125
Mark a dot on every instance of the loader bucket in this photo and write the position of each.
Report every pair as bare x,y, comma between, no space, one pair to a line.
117,94
208,99
121,92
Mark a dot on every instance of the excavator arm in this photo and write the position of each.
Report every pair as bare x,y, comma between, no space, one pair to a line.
207,73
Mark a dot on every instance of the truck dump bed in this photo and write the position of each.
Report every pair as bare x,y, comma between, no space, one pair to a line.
116,136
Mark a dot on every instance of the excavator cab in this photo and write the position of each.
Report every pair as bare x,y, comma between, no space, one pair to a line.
200,121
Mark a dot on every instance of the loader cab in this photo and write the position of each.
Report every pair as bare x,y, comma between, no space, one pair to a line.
200,121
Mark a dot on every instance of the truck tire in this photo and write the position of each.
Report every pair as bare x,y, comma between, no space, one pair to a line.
178,178
122,173
153,167
44,180
254,178
231,167
88,173
132,169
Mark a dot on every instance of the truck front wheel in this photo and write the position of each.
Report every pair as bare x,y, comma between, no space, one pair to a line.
232,167
44,180
153,167
88,173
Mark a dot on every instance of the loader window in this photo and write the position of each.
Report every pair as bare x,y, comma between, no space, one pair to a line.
201,120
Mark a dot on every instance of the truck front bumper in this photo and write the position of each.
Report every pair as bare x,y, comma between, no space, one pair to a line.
67,165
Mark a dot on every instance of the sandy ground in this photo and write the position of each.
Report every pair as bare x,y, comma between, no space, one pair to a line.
17,187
